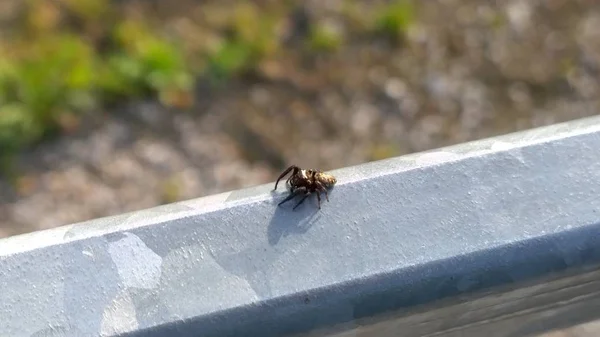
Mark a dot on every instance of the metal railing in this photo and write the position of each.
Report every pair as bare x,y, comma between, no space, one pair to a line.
498,237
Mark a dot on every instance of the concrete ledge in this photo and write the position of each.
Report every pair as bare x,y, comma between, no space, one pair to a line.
414,245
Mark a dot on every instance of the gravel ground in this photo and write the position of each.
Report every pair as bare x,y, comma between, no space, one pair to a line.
487,70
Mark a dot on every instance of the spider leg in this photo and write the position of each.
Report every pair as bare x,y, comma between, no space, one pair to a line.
289,197
319,199
293,193
323,189
306,194
293,167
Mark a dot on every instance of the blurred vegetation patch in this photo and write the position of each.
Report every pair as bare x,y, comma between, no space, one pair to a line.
171,189
250,35
394,18
69,57
325,37
384,151
142,64
64,58
42,86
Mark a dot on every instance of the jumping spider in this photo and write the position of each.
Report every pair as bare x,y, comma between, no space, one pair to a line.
306,182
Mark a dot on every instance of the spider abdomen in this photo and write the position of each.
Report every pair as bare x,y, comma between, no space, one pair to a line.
326,179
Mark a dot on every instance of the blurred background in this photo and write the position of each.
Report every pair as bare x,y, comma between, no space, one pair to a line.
109,106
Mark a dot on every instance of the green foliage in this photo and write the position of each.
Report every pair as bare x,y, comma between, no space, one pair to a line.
253,36
171,189
55,77
324,38
394,19
254,29
16,127
89,10
143,64
383,151
231,58
50,75
72,56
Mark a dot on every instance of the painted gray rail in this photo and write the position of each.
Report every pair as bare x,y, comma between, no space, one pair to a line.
499,237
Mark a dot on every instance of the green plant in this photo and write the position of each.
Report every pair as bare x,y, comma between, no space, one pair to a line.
144,63
324,38
394,19
53,78
383,151
170,189
252,37
231,58
92,11
49,75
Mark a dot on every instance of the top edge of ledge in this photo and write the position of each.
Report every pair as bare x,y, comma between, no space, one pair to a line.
347,175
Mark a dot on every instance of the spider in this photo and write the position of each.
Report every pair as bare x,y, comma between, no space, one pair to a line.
306,182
